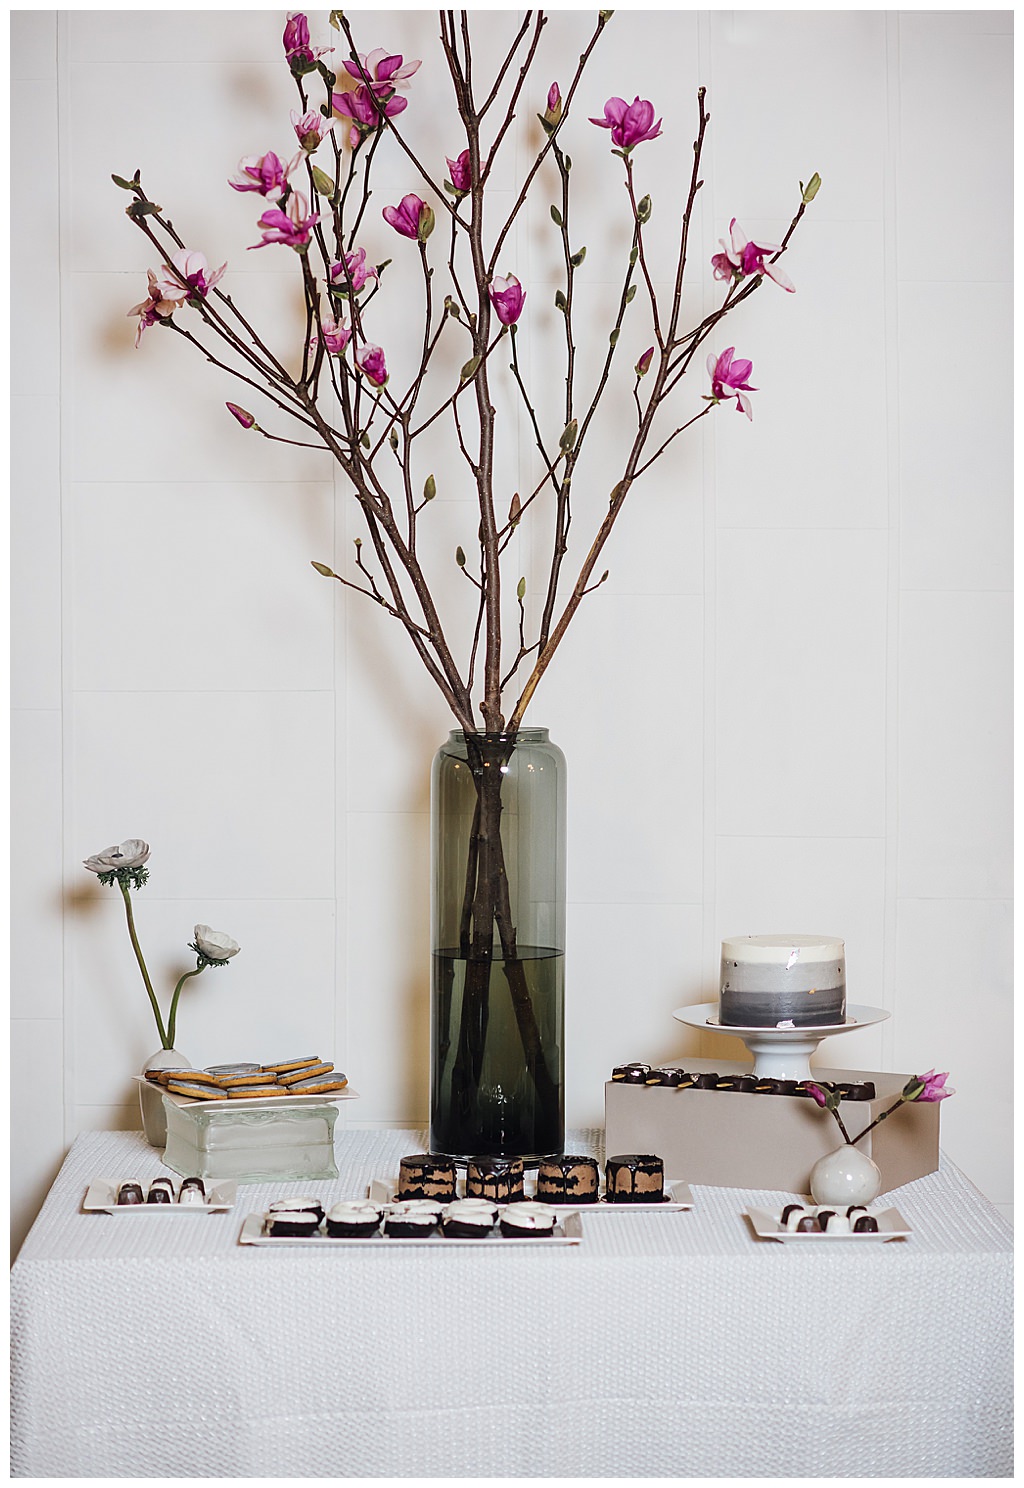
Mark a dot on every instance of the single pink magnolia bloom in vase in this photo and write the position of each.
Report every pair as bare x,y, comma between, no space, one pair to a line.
292,226
310,129
412,218
156,306
296,40
729,379
630,123
242,415
742,258
337,335
267,174
933,1087
370,361
192,267
507,297
359,271
460,173
365,111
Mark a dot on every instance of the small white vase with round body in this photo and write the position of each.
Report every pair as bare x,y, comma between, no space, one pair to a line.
151,1096
846,1176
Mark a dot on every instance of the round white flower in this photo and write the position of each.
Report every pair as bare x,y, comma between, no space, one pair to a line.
215,945
130,854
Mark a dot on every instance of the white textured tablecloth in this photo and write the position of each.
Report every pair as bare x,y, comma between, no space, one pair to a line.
666,1345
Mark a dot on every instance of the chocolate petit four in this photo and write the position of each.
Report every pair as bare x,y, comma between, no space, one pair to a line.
423,1176
565,1178
298,1223
497,1178
791,1215
130,1193
468,1219
353,1220
414,1218
634,1178
192,1191
832,1223
806,1224
527,1220
865,1224
160,1193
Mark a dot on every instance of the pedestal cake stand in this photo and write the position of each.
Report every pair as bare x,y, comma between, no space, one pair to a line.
781,1053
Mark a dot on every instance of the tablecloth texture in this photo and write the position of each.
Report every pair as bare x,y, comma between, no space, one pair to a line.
665,1345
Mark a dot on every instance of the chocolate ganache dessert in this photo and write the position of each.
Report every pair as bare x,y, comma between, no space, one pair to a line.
564,1178
782,981
497,1178
634,1178
423,1176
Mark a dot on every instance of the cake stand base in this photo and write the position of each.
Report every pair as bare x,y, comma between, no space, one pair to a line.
780,1053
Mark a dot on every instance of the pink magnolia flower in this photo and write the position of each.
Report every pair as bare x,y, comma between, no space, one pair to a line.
817,1094
359,271
242,415
507,297
644,363
362,108
311,129
296,40
729,379
191,267
156,306
266,174
460,173
412,218
291,226
741,257
553,113
382,72
630,123
337,335
370,361
932,1087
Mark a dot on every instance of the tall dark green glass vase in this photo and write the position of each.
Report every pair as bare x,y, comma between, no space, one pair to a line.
498,940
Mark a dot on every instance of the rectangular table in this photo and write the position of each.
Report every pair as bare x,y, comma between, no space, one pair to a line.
665,1345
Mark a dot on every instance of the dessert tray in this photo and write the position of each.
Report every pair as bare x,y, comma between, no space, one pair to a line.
101,1198
677,1198
246,1103
568,1231
891,1226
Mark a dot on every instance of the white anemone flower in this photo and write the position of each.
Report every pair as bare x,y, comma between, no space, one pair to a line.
130,854
215,945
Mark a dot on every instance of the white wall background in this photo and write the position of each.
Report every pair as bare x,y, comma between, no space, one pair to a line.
788,708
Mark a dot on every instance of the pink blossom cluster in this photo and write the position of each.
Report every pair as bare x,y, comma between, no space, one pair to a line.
742,258
187,277
381,77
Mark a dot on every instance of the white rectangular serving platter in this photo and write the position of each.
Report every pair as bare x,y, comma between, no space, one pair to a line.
679,1197
568,1231
101,1198
891,1226
245,1103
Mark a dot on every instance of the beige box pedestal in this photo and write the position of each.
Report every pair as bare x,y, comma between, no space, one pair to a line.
732,1140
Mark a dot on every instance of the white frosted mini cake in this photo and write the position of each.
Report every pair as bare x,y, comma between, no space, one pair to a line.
783,981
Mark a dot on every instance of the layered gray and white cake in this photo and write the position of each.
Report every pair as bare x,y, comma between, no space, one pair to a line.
783,981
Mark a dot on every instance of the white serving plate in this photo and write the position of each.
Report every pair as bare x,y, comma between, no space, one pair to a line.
246,1103
101,1198
891,1226
679,1197
568,1231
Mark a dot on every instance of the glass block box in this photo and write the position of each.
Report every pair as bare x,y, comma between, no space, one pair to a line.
251,1144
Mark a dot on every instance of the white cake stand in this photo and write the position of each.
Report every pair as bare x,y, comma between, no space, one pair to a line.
781,1053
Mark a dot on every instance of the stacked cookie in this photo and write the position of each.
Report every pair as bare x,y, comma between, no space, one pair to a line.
309,1075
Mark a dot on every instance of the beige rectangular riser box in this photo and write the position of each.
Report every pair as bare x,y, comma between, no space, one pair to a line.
729,1139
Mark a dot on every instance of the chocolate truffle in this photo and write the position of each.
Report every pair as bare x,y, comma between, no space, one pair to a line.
865,1224
565,1178
634,1178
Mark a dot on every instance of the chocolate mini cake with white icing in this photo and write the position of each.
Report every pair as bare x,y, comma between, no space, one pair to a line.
292,1223
353,1220
776,981
497,1178
468,1219
634,1178
565,1178
415,1218
421,1175
528,1220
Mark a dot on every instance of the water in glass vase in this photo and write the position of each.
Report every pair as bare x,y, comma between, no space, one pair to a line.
497,1040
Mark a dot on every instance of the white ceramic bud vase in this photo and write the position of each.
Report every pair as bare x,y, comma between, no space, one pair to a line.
846,1176
151,1097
